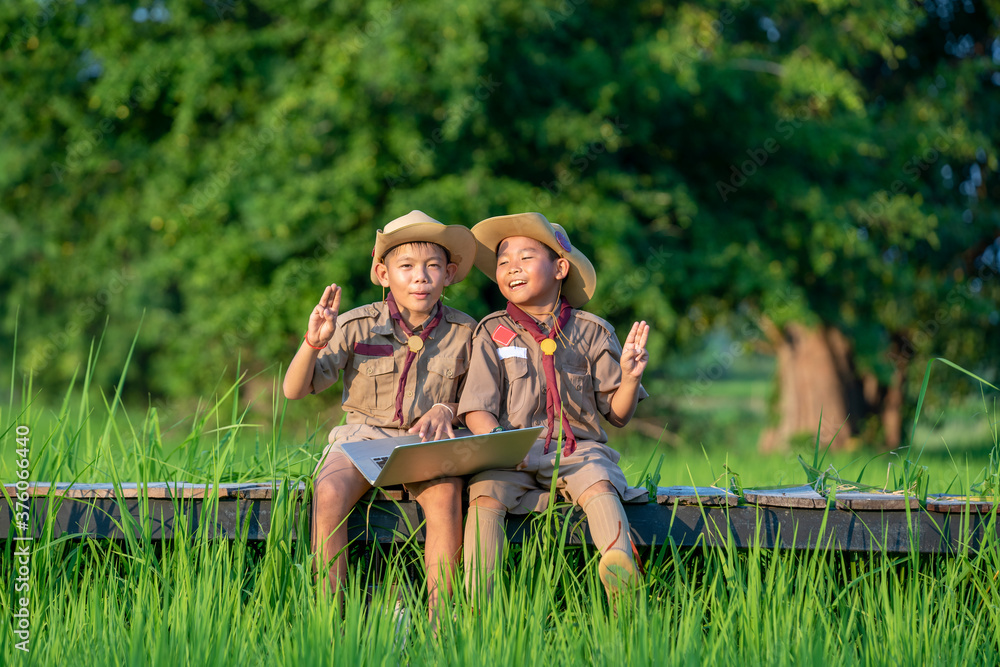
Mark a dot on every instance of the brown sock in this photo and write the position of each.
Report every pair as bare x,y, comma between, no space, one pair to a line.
483,545
608,523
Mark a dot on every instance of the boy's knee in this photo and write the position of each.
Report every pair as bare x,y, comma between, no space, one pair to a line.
327,498
336,489
488,503
444,495
594,489
325,482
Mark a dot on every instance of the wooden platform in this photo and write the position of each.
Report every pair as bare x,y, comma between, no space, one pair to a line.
791,518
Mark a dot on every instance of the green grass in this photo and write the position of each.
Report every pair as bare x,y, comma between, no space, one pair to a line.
214,603
261,436
195,600
199,601
719,427
266,439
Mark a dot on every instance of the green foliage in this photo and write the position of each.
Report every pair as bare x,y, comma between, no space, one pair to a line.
215,164
139,601
97,603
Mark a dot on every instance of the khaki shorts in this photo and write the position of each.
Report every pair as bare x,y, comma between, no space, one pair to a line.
527,488
334,456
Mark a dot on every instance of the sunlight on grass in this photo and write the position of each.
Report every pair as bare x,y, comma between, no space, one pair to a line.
200,600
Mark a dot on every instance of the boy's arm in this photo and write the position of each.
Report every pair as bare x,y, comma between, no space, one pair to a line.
298,377
479,404
322,326
633,363
623,403
481,421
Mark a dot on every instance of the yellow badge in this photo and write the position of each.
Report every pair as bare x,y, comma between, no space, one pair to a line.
415,343
548,346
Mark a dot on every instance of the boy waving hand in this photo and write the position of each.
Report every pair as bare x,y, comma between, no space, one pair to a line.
404,361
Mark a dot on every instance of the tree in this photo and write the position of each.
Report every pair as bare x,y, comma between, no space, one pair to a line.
778,167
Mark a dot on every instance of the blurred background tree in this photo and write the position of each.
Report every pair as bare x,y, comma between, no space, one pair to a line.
817,178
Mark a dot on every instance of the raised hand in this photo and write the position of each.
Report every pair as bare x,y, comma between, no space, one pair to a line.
323,319
634,353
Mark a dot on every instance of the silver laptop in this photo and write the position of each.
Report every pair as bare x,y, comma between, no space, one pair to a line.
389,461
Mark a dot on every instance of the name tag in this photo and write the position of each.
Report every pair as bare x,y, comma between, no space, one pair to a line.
369,350
509,352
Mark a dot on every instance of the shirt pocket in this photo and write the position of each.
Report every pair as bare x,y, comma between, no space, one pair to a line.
578,391
516,369
444,374
376,382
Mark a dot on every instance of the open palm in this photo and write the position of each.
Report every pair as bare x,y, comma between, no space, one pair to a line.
634,353
323,318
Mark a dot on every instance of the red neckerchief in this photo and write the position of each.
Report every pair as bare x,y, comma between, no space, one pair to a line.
410,355
553,406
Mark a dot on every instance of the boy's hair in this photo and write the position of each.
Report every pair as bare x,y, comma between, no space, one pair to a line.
417,244
553,255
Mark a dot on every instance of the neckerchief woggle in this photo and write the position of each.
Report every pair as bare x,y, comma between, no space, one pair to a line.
414,343
553,406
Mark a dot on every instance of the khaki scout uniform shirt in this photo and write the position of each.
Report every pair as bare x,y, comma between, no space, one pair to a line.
371,350
508,380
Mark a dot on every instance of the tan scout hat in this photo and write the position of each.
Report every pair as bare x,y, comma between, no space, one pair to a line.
416,227
579,285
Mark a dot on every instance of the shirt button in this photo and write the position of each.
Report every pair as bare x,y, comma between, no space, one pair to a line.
370,369
409,394
450,373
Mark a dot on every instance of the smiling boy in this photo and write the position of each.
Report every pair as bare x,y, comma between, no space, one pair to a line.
404,361
544,362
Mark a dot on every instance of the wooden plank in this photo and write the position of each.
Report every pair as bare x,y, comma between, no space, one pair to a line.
36,488
262,491
859,501
398,494
641,500
803,496
188,490
859,531
783,527
797,496
943,502
265,491
707,496
130,490
389,522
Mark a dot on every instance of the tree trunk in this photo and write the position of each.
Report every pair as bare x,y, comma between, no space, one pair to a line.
816,375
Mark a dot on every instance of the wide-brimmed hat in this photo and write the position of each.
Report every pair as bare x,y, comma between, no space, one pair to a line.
417,227
579,285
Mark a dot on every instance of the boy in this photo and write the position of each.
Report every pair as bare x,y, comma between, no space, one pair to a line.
542,362
404,361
